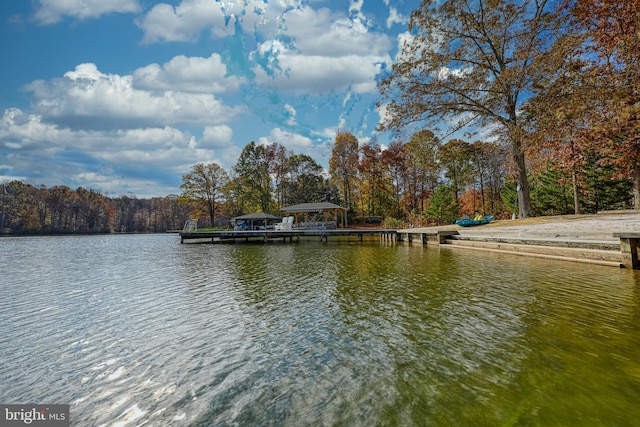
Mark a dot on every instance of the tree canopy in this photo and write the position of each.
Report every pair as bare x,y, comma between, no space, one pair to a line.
204,186
473,61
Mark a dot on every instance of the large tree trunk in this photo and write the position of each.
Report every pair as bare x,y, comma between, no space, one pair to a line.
576,199
524,200
636,188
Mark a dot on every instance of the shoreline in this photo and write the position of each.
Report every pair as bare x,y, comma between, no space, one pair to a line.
600,226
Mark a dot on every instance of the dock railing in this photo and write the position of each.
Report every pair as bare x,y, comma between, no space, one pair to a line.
190,226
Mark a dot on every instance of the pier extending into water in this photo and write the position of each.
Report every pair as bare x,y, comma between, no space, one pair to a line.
621,252
233,236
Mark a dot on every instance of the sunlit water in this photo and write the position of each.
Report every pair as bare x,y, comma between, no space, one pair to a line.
141,330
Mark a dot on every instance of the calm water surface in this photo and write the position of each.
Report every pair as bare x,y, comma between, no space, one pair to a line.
140,330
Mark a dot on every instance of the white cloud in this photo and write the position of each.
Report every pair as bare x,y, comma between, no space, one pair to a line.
186,21
104,160
318,74
383,113
445,72
53,11
89,99
292,141
291,111
322,32
181,23
395,17
186,74
30,134
326,52
217,136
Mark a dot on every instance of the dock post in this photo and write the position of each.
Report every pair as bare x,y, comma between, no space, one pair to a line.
443,235
629,249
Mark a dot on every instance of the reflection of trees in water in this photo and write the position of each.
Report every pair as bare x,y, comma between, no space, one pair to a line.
400,334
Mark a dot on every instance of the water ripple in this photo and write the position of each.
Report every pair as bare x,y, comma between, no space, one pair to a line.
134,330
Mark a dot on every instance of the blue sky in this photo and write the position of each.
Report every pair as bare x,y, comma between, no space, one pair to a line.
124,96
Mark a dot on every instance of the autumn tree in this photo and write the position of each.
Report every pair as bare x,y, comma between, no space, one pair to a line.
375,181
253,178
278,159
489,162
304,181
422,168
343,165
613,28
561,118
203,186
394,160
61,200
455,157
473,61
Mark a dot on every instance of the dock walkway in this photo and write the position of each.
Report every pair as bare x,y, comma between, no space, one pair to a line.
233,236
605,239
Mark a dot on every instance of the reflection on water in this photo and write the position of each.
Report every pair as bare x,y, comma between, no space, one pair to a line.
140,329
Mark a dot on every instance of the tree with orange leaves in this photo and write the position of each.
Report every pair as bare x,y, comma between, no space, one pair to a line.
613,28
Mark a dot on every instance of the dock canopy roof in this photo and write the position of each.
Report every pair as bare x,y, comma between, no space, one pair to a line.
312,207
257,217
320,207
255,220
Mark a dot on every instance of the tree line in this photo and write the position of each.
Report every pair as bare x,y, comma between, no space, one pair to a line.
29,209
422,181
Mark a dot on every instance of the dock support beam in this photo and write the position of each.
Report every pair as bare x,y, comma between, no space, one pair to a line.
629,243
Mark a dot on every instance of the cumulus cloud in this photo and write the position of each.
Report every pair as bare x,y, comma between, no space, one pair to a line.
89,99
303,67
320,75
395,17
290,140
384,116
26,132
105,160
53,11
187,20
186,74
216,136
325,33
319,52
181,23
444,73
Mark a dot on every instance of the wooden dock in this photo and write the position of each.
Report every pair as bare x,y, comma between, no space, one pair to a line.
283,235
621,253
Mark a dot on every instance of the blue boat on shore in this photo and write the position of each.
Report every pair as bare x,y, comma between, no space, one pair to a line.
470,222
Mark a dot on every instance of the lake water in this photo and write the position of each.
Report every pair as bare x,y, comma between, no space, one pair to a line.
141,330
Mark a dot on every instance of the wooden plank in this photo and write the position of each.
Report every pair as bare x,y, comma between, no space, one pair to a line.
574,253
